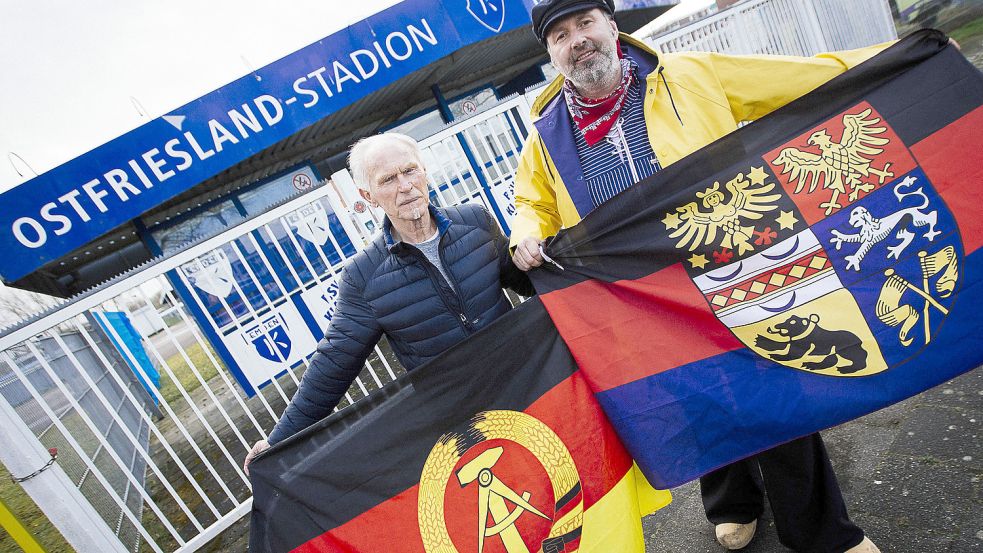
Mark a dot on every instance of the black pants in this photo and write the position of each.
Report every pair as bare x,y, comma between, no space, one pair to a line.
810,515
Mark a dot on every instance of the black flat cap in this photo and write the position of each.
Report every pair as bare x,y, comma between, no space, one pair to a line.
548,12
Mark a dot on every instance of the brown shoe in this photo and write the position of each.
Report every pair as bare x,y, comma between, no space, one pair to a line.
865,546
736,536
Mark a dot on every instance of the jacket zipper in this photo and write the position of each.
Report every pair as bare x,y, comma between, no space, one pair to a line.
462,313
435,278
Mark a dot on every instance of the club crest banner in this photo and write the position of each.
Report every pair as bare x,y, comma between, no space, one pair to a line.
807,269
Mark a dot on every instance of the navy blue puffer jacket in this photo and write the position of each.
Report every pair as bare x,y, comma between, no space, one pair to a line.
391,288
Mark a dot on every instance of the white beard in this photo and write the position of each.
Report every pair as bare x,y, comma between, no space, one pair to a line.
604,67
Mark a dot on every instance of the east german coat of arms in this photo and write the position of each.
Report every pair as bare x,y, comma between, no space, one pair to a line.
834,255
508,481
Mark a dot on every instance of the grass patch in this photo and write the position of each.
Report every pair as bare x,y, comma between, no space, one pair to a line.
24,508
183,372
969,31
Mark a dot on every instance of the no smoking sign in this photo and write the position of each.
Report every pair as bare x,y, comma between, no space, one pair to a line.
302,182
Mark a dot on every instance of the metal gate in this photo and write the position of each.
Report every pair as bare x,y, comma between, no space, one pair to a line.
786,27
153,386
152,461
477,159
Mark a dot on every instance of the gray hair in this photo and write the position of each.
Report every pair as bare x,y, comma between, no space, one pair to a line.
357,162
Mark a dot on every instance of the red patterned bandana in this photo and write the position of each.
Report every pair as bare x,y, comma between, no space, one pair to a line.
596,117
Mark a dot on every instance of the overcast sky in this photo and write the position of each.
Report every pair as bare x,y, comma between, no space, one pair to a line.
69,69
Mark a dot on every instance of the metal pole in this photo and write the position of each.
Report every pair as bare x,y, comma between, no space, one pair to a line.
13,526
52,490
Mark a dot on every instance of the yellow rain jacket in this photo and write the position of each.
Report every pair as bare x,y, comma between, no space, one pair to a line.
691,99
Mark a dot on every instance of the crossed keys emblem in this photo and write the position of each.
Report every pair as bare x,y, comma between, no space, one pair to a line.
492,494
892,312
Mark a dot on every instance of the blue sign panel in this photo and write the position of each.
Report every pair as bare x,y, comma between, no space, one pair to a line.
264,299
83,199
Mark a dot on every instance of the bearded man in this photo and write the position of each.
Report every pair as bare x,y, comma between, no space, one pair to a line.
618,113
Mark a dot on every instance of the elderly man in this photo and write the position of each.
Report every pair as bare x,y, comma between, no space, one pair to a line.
618,113
431,278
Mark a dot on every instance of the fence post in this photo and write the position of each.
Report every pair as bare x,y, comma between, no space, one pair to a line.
737,28
886,19
478,171
356,233
52,490
810,22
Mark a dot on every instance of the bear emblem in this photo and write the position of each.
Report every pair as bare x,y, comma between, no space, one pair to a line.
802,339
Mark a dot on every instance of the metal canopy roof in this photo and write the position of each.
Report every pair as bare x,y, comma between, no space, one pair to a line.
495,60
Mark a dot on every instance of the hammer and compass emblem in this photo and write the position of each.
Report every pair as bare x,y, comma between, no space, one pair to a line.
492,494
512,430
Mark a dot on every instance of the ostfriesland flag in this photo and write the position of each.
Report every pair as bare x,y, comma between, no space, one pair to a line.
496,446
811,267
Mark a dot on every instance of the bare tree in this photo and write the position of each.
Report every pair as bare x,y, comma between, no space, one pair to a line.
17,305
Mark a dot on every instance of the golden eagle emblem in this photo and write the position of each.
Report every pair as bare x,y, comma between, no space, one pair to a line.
697,227
839,165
